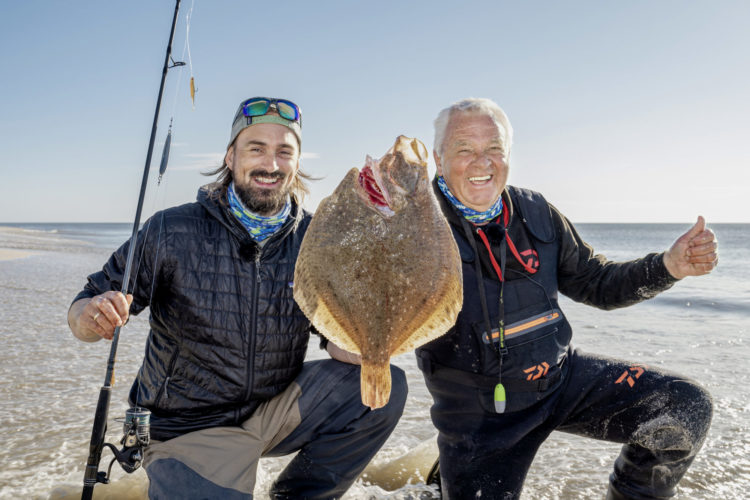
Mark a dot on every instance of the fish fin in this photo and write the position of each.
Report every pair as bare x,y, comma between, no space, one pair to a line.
330,321
326,323
375,384
439,310
444,314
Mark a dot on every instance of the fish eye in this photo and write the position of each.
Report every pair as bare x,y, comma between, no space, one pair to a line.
405,176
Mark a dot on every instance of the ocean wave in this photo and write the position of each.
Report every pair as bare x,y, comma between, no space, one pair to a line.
723,306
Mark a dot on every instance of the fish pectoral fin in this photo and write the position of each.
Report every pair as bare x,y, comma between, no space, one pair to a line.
441,317
375,384
331,329
436,326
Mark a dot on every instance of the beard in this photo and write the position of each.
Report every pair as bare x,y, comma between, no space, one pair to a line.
264,202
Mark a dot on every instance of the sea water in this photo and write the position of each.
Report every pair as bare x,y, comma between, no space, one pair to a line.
50,380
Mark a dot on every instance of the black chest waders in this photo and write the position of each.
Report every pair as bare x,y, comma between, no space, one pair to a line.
511,339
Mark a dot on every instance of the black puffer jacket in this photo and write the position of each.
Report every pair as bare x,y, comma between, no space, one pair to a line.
226,333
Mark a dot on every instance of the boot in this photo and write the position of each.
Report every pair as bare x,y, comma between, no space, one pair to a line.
613,494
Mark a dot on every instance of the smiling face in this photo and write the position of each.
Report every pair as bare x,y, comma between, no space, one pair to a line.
474,162
264,159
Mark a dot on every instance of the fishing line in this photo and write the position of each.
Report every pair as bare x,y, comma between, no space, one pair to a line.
165,155
156,260
190,58
185,48
163,191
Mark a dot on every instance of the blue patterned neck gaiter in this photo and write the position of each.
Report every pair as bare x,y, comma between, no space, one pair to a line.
472,215
258,226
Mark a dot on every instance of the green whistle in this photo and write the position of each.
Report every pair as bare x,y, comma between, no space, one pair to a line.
499,398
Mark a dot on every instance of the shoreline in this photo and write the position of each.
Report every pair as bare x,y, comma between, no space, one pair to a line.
13,254
18,242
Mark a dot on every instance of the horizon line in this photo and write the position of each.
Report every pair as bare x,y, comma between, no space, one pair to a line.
709,223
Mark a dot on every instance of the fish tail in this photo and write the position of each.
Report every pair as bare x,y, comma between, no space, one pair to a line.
375,384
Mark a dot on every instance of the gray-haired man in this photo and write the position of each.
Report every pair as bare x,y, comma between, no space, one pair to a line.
506,375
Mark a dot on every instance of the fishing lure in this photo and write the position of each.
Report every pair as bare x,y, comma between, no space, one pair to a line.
192,90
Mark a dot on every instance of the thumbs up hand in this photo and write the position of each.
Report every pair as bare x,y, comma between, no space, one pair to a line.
694,253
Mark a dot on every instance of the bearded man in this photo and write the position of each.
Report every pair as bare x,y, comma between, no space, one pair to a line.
223,373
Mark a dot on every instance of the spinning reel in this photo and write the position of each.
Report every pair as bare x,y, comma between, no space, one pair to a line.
136,437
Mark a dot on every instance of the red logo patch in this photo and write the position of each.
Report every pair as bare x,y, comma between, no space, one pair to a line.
631,375
531,258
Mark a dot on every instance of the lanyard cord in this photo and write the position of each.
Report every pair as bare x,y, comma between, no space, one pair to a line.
500,346
512,247
499,391
500,270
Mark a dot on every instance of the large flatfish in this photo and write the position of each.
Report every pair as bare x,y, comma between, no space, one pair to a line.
378,272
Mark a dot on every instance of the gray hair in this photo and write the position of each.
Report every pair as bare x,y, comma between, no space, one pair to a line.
476,105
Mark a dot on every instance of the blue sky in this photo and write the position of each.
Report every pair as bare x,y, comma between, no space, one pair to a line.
633,111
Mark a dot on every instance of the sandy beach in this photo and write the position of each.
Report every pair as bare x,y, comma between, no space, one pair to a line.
21,242
10,254
16,243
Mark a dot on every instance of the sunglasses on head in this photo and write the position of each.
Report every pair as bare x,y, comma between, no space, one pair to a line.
259,106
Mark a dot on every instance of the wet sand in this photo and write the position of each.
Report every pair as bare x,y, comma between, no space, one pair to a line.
10,254
18,242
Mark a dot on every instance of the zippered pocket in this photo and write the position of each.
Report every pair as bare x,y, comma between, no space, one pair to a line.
534,339
163,390
524,327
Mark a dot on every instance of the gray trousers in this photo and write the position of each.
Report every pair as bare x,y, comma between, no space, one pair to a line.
320,415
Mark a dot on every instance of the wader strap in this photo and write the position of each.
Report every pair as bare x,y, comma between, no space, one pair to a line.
442,372
478,270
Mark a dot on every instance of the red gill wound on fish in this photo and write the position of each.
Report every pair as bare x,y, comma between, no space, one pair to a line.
370,185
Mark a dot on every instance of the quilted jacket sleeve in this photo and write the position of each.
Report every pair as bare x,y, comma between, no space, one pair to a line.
587,277
150,238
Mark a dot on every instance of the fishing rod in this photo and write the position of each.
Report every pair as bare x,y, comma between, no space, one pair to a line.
136,426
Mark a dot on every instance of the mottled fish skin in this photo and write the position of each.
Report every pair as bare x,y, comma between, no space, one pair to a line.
381,282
